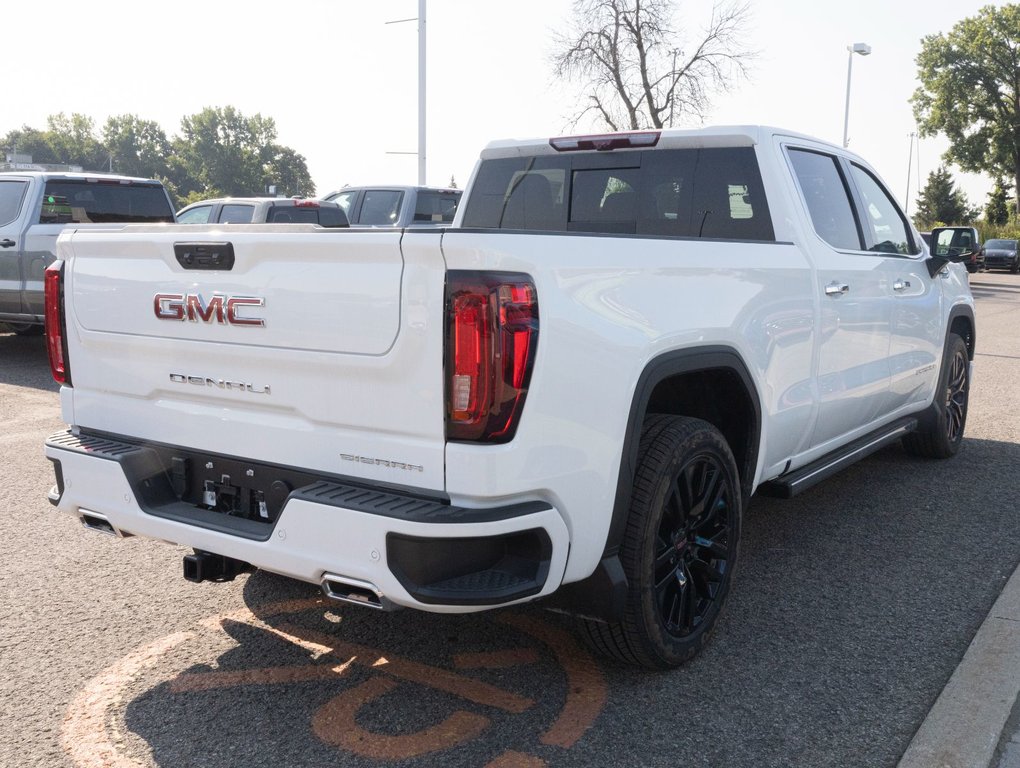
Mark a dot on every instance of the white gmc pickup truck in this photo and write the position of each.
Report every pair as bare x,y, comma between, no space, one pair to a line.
575,389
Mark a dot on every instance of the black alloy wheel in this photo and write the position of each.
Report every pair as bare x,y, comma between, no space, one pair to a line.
680,546
692,545
940,433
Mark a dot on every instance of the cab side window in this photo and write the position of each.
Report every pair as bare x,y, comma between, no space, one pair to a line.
828,198
885,230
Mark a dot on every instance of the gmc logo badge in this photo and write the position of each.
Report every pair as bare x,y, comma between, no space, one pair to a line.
225,310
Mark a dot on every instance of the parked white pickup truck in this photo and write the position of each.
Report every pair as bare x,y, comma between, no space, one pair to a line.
575,389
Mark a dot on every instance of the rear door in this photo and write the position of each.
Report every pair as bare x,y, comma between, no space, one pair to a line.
305,347
14,197
852,373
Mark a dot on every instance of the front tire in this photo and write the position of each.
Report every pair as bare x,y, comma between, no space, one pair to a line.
941,434
1015,267
679,548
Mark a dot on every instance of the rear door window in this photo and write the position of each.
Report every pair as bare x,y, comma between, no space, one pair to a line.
90,202
346,202
12,193
236,214
827,197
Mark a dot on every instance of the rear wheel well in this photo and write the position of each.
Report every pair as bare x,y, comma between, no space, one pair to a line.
719,397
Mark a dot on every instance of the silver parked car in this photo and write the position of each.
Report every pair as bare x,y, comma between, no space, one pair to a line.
263,210
397,206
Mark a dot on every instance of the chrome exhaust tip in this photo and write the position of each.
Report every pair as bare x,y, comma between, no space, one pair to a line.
98,522
356,592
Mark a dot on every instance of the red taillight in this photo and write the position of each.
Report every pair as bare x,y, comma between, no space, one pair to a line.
54,285
492,330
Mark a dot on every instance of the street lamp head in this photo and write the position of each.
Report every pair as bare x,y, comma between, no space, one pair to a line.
862,48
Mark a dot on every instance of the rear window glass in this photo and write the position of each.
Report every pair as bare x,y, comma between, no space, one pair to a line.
436,207
327,216
12,192
380,207
701,193
88,202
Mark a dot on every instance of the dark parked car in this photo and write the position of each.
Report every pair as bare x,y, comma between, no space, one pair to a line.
1002,254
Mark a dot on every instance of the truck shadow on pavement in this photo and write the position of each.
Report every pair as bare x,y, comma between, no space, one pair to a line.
852,605
24,362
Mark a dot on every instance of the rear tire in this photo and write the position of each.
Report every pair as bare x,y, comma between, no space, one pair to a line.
679,548
26,329
941,434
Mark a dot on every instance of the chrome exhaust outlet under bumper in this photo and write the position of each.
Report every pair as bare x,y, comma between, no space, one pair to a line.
356,592
97,522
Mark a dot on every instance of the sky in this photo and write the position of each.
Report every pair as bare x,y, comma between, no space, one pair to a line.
342,84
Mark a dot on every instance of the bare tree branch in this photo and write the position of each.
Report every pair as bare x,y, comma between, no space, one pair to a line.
630,61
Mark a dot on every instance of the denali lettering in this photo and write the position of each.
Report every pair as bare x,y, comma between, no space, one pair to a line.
204,381
220,309
381,462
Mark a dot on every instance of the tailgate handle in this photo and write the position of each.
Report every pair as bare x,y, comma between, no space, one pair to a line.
205,255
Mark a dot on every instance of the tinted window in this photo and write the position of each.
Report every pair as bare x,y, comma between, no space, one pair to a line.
345,200
381,207
710,193
519,193
827,198
327,216
885,228
436,207
1006,245
11,194
237,214
199,215
86,202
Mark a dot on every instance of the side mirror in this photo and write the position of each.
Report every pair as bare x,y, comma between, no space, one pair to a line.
962,244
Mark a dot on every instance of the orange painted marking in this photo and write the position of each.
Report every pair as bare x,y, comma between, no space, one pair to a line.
208,681
411,671
86,734
335,723
513,759
586,687
496,659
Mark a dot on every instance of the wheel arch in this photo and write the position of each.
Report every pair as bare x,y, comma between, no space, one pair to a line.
710,383
961,322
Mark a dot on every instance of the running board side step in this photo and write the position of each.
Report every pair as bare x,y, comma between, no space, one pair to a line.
790,484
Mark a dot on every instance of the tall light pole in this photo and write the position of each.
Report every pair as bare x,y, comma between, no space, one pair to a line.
421,91
863,49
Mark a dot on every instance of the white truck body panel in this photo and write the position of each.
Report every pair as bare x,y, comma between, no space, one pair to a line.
352,356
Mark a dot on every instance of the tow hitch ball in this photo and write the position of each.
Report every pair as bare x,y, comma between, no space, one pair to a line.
206,566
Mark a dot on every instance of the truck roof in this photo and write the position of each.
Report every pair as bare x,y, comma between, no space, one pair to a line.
711,136
47,175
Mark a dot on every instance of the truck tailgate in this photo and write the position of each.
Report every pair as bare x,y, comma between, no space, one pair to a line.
316,349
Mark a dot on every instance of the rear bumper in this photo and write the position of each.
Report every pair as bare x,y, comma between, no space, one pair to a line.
412,551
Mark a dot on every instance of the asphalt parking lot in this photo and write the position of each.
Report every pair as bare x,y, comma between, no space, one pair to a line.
852,606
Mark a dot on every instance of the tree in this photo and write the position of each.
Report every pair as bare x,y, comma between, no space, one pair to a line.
73,141
221,152
940,202
30,141
997,208
137,147
970,91
635,73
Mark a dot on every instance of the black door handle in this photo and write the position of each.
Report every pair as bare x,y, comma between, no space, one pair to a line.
5,243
